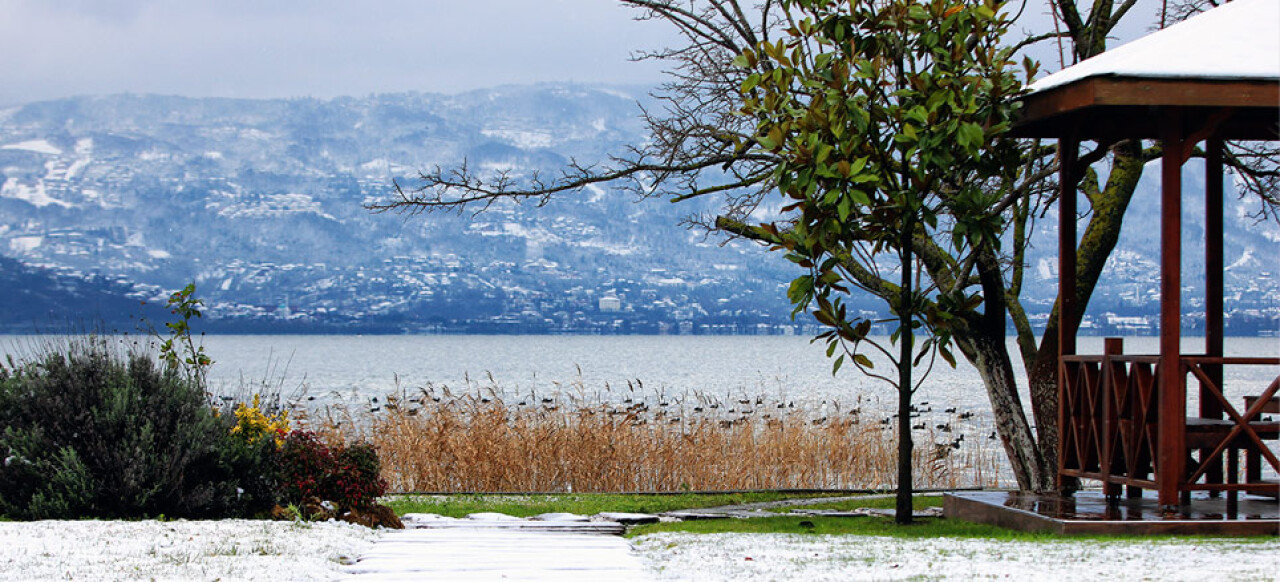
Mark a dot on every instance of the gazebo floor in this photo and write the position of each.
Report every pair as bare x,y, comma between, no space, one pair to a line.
1087,512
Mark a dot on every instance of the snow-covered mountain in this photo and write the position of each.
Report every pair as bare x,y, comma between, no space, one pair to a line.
260,202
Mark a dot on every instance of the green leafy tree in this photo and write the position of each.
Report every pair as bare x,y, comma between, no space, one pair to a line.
885,118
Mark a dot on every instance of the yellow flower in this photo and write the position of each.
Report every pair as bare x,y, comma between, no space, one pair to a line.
252,424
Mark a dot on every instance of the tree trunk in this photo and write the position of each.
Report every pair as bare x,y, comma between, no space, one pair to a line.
991,358
906,310
1099,239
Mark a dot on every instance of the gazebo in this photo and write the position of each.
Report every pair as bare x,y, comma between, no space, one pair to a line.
1124,418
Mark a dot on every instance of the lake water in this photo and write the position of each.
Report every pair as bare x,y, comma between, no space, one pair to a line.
351,370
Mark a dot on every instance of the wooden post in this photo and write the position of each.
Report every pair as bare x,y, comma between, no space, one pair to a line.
1213,293
1112,346
1068,176
1173,400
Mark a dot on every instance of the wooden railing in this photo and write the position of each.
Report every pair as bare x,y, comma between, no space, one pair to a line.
1109,416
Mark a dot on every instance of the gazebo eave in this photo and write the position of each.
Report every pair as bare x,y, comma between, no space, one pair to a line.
1109,108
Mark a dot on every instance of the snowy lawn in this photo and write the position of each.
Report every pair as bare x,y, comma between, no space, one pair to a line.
179,550
283,551
742,557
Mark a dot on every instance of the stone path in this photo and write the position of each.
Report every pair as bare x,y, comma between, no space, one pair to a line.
553,547
494,547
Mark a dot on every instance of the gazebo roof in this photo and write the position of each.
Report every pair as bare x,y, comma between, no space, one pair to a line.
1227,57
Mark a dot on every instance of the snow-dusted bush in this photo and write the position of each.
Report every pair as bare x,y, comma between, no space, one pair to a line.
90,431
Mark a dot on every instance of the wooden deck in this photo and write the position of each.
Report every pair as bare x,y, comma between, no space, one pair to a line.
1088,513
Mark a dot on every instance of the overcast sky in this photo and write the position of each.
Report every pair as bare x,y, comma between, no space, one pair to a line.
322,48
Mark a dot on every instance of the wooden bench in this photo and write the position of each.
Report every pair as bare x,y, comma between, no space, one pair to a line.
1206,434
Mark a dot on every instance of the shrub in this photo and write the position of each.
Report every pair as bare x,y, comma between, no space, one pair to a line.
358,480
92,432
252,424
348,476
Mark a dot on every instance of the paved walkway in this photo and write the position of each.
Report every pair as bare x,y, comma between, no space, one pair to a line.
552,547
500,549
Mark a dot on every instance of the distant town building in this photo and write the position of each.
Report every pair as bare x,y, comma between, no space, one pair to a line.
610,304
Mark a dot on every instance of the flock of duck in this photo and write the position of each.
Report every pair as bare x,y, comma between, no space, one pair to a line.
639,405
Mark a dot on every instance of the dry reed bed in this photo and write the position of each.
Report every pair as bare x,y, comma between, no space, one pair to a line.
478,441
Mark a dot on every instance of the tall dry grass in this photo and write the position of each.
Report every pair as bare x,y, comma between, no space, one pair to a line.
443,442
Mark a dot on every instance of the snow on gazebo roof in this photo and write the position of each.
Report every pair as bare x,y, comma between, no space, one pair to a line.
1238,41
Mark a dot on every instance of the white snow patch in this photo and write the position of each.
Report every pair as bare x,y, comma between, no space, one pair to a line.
257,134
25,244
158,254
522,139
1046,269
76,167
377,165
599,125
499,167
615,93
180,550
1236,40
40,146
153,155
36,196
609,248
534,235
213,155
597,193
84,146
739,557
275,205
1244,260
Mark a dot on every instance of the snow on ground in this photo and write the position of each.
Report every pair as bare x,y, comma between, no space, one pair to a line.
813,558
39,146
284,551
179,550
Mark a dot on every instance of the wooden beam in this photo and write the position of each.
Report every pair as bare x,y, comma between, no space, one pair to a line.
1128,91
1145,121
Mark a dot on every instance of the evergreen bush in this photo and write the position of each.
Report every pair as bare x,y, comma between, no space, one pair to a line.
90,431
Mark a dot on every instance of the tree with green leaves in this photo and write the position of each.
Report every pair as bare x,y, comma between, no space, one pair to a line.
885,117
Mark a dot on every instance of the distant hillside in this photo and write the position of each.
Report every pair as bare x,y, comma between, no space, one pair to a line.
260,202
38,300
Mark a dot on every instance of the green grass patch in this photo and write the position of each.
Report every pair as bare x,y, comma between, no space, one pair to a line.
918,503
862,526
929,527
521,505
